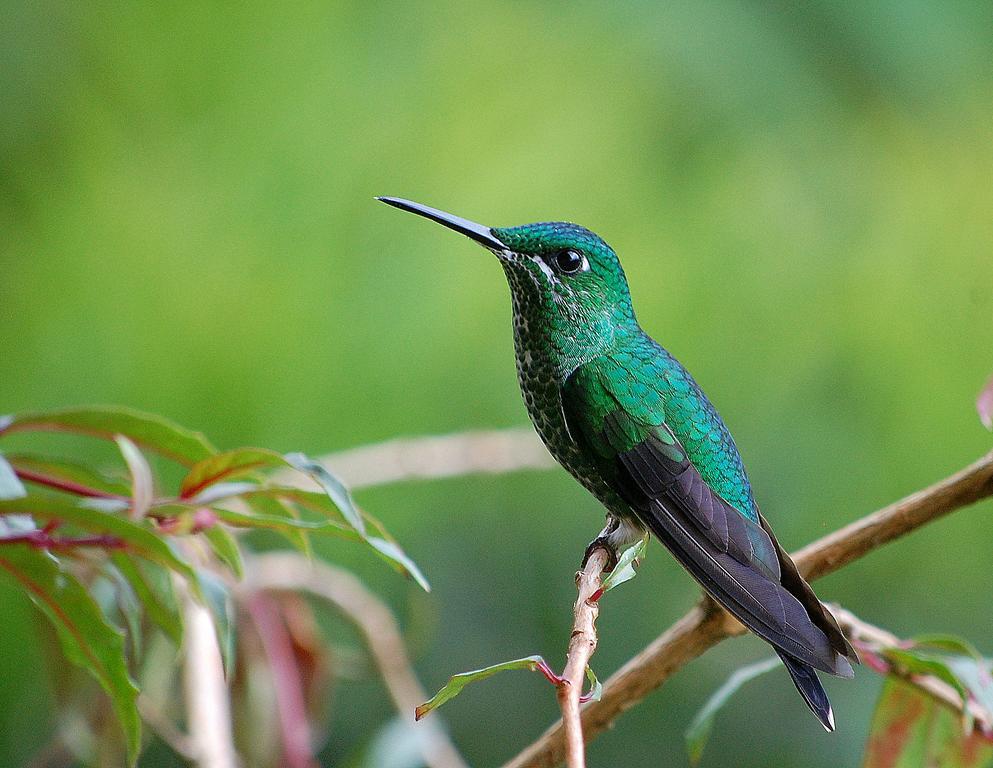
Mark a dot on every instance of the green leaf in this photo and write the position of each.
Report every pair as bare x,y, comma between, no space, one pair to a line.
10,485
596,687
918,663
699,729
625,568
911,729
332,486
457,682
124,599
228,466
330,505
142,485
68,477
944,642
265,505
217,599
153,588
272,522
391,553
138,538
87,638
146,430
226,548
312,501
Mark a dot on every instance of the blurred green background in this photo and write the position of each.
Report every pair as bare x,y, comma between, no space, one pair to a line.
801,195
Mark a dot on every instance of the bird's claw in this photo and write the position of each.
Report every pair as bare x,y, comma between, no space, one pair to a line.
601,542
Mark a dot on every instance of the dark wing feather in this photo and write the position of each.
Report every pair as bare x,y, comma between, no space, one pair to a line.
735,559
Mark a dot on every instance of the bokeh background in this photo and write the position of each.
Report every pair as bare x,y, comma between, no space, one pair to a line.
801,195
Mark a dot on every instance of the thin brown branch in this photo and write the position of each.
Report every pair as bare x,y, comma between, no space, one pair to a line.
290,572
436,456
582,645
706,625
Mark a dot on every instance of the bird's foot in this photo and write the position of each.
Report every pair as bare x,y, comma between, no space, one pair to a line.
601,542
604,541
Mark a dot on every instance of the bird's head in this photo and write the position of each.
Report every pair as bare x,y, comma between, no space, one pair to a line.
567,284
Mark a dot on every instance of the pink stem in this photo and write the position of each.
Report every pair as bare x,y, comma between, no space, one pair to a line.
286,678
43,540
66,485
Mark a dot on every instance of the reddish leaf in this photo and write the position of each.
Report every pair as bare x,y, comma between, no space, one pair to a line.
87,638
228,466
911,729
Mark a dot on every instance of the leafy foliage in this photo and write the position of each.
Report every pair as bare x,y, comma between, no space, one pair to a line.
87,637
457,682
911,729
65,528
624,570
699,729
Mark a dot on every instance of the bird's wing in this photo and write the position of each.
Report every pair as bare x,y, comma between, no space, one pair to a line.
736,560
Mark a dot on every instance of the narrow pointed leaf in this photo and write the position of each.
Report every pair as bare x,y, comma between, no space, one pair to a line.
67,477
332,486
699,729
457,682
312,501
625,568
217,599
10,485
225,547
396,557
127,604
153,588
142,486
87,638
146,430
342,501
275,507
272,522
228,466
596,687
223,491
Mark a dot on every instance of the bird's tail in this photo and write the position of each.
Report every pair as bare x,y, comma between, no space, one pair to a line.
806,682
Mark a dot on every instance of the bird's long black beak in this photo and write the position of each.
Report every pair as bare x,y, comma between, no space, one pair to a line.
482,235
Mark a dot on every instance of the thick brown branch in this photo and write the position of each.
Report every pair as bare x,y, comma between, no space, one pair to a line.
705,625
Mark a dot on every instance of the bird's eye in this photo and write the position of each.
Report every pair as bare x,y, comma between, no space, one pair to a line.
568,262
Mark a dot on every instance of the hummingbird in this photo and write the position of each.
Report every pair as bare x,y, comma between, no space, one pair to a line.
631,424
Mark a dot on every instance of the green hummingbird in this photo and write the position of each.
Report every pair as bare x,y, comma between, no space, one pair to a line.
630,423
